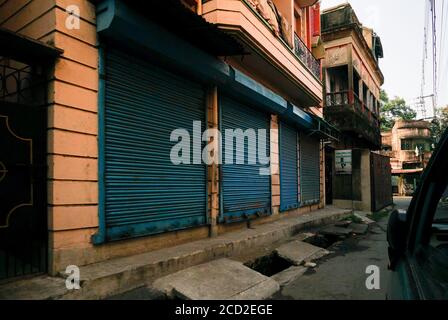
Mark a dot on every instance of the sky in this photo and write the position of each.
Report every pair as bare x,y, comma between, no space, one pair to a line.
400,25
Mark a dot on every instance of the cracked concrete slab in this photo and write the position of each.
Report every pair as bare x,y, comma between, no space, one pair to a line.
359,228
218,279
38,288
363,217
298,252
336,231
303,236
343,223
289,275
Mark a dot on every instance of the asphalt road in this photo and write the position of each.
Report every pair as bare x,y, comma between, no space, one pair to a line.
402,202
342,275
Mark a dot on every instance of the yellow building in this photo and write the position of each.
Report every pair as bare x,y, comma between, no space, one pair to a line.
352,81
408,145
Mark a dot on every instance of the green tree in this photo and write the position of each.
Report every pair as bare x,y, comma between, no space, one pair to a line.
386,122
439,123
392,110
384,98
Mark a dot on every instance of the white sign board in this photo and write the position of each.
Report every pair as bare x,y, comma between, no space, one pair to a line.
343,161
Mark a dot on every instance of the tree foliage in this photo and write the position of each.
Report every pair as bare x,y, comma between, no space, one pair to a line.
392,110
439,123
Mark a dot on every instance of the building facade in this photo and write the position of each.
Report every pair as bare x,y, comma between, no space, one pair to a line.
120,87
352,79
409,146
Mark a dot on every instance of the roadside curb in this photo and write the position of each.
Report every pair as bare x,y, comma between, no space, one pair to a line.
120,275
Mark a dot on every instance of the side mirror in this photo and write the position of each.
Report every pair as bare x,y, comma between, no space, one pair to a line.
396,236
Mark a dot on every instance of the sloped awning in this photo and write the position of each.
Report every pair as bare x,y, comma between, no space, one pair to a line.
297,117
310,123
26,49
174,17
401,171
248,89
324,130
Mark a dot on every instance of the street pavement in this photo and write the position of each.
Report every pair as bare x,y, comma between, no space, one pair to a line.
402,202
342,275
338,276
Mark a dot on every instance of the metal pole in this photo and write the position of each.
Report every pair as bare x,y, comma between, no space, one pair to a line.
351,180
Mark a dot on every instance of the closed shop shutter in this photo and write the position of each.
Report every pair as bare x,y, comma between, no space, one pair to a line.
245,192
145,193
309,169
289,193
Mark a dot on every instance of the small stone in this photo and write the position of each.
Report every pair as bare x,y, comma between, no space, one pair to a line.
303,236
343,223
310,264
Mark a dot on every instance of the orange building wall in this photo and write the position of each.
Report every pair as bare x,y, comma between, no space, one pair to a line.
72,116
72,138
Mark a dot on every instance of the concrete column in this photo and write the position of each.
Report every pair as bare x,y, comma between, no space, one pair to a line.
213,169
350,70
322,175
275,167
366,191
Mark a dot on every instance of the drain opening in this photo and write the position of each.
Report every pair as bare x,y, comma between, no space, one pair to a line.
269,265
323,241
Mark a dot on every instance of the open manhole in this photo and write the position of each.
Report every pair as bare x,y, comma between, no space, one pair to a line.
269,265
322,240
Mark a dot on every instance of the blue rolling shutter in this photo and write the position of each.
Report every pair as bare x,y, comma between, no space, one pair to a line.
145,193
245,192
309,169
289,190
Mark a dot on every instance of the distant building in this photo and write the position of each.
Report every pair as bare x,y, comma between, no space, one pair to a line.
408,145
352,79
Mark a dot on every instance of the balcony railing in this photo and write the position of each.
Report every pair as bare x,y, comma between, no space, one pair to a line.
305,55
389,153
348,97
339,98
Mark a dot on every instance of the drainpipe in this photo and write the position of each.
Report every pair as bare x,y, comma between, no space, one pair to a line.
199,7
212,110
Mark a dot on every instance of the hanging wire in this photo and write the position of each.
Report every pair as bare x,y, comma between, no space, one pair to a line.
443,59
434,51
421,106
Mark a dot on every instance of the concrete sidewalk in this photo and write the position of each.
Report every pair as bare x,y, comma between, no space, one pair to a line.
120,275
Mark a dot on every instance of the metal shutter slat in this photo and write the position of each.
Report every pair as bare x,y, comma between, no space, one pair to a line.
244,190
288,168
144,192
309,169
